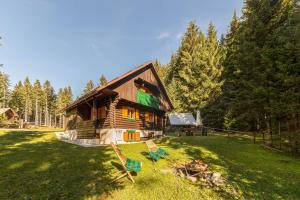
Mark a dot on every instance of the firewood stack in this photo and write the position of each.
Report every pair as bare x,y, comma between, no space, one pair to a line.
197,170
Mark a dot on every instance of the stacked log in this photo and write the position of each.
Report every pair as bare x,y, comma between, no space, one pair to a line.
197,170
86,129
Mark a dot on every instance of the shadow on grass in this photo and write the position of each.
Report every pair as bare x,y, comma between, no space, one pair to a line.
35,165
258,173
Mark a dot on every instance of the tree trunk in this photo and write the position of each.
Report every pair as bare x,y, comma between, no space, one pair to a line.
257,130
55,119
26,110
60,121
36,120
270,131
50,121
289,135
46,114
4,100
295,142
279,133
40,118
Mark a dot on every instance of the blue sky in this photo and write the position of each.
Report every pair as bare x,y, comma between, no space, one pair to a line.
71,42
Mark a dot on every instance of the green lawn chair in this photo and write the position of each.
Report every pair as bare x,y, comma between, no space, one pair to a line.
128,164
155,152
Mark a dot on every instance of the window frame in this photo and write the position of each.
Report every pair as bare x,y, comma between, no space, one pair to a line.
131,113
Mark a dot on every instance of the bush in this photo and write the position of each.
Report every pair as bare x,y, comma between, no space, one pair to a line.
9,125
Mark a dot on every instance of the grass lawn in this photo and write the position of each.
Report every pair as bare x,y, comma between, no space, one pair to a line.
35,165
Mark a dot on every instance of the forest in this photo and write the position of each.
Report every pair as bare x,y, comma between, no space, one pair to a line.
248,79
37,103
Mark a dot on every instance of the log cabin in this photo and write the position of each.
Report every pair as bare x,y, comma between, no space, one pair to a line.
9,113
127,109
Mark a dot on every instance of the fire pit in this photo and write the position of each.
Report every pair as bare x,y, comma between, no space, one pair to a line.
197,170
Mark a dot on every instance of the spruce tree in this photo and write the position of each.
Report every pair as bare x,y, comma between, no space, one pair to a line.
230,74
193,74
48,97
89,87
4,89
160,69
27,91
102,80
17,100
37,99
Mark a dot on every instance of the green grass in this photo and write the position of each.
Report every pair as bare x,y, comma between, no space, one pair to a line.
35,165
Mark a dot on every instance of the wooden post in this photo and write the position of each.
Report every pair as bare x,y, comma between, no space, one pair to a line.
112,110
94,110
111,113
64,121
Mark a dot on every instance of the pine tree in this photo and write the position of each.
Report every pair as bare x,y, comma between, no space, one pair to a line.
194,73
89,87
230,74
184,69
28,103
18,99
282,57
48,97
102,80
160,69
37,99
4,90
64,98
261,75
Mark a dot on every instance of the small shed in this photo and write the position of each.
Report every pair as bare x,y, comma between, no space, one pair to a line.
9,113
185,122
182,119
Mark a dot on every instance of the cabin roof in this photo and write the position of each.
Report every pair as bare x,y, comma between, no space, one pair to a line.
105,88
5,110
179,119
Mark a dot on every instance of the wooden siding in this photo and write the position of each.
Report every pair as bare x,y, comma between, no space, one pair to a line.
84,111
127,89
105,122
140,124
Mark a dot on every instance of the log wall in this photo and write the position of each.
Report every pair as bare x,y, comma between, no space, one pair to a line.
105,122
141,124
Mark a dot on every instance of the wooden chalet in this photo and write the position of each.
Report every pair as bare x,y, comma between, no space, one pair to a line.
128,108
9,114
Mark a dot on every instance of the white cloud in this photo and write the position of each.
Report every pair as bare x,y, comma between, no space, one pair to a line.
163,35
179,35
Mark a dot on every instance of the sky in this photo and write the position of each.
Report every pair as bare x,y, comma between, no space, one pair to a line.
71,42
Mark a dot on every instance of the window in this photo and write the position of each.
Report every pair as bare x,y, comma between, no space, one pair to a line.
150,117
147,117
130,113
102,112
